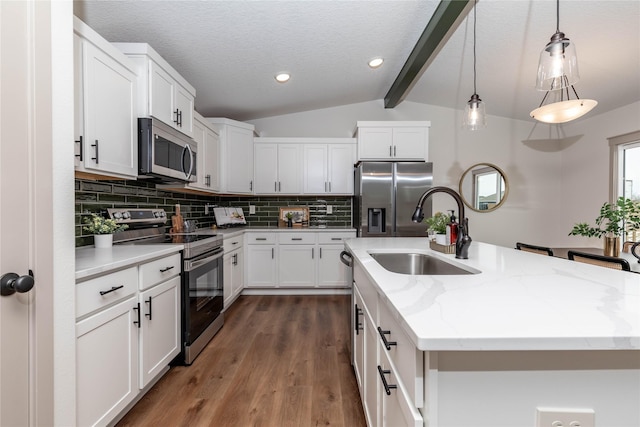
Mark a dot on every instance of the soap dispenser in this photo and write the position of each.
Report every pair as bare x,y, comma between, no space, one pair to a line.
452,229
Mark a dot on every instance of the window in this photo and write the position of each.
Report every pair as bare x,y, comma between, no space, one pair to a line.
625,171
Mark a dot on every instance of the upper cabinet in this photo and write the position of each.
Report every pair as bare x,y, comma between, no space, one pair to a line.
328,168
105,86
163,93
277,166
393,140
208,154
235,165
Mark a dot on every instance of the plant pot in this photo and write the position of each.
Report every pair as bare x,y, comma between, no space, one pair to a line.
441,239
102,241
612,246
289,223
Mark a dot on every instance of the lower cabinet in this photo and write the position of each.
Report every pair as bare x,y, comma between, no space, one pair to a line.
262,263
233,268
127,333
388,367
106,363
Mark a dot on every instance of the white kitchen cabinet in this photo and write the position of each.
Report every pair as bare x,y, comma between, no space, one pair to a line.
393,141
332,273
163,93
261,266
233,269
236,155
106,128
160,328
277,168
328,169
297,260
358,342
106,363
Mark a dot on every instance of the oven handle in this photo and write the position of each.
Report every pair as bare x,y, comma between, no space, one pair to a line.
190,265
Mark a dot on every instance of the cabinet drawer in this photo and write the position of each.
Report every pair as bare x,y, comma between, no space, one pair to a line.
334,238
404,355
159,270
232,243
94,294
261,238
302,238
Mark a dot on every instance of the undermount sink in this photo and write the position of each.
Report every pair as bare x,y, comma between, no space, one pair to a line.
417,264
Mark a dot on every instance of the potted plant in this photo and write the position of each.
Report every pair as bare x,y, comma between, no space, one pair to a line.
289,219
102,229
437,223
611,224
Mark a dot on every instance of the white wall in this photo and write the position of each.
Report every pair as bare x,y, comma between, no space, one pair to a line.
533,170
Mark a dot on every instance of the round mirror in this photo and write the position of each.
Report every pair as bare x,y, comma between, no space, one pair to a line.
484,187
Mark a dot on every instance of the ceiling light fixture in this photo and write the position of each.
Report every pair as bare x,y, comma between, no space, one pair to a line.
376,62
282,77
558,70
474,115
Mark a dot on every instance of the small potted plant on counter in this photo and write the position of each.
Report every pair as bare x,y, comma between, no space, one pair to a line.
102,229
437,223
613,220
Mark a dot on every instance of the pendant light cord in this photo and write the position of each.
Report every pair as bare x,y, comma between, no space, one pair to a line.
557,16
475,3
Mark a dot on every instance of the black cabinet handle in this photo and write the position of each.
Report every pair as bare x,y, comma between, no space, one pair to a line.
137,309
261,238
387,344
275,186
149,302
273,253
80,156
358,325
296,238
279,186
336,238
251,185
180,118
162,270
113,289
176,119
320,252
96,157
312,253
387,387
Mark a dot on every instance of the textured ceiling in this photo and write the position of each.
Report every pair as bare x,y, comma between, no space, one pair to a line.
230,50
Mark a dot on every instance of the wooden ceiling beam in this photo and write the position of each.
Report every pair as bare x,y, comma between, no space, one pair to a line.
442,24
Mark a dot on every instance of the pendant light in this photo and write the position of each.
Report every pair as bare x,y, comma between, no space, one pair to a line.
558,71
474,114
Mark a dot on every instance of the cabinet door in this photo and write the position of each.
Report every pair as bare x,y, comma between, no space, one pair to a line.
371,401
160,330
297,265
199,136
211,171
261,266
315,169
358,342
375,143
289,168
340,168
239,161
237,280
184,106
227,272
331,272
410,143
110,143
265,169
396,409
106,363
78,107
161,93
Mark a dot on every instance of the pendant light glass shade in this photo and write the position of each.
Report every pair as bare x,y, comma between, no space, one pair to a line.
558,65
563,111
474,114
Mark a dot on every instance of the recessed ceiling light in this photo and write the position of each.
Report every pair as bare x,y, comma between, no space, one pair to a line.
283,77
376,62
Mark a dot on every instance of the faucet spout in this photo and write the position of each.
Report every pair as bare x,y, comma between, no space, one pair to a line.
463,241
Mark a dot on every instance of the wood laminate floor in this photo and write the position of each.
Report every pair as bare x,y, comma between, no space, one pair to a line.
277,361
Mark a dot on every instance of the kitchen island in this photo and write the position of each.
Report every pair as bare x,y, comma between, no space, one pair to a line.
524,332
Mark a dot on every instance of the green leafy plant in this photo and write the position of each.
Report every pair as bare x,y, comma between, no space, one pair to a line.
437,222
612,221
97,224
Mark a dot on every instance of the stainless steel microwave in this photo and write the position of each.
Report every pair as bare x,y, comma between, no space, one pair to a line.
164,153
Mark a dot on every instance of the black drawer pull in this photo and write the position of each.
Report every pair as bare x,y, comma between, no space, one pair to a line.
387,387
358,325
113,289
137,309
296,238
387,344
162,270
261,238
336,238
80,156
149,302
96,158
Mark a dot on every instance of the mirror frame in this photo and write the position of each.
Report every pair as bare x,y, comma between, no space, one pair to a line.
506,187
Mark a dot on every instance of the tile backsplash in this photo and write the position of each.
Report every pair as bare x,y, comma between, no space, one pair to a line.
97,196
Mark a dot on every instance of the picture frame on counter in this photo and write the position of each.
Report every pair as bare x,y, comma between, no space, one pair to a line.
299,216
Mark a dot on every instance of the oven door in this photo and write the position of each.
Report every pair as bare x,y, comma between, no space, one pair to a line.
202,293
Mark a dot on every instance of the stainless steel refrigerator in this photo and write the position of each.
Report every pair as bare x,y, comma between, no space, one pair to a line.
386,194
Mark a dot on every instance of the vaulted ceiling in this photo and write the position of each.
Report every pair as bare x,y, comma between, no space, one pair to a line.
231,50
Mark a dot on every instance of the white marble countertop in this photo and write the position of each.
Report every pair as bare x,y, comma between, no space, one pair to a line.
232,232
92,262
519,301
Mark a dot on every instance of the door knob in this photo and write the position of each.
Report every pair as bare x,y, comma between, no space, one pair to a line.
11,283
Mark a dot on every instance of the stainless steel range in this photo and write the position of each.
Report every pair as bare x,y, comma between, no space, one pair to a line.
202,275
